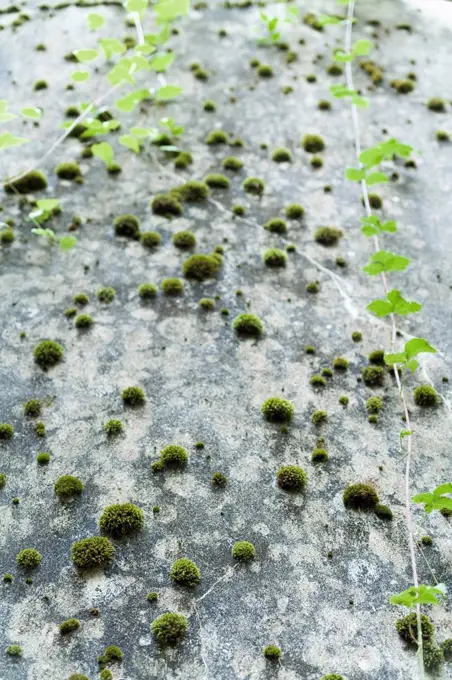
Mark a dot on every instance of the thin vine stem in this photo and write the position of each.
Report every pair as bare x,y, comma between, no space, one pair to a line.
376,244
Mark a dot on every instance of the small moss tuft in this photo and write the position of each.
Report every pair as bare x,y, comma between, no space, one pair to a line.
133,396
217,181
357,336
31,182
383,512
14,650
153,596
232,163
183,160
373,376
248,326
219,480
81,299
425,395
127,225
313,143
328,236
28,558
291,478
274,257
172,287
427,540
96,551
106,295
69,626
277,410
7,236
243,551
6,431
209,106
48,353
374,404
360,496
276,225
217,137
272,653
294,211
174,456
254,185
319,417
377,357
121,519
184,239
113,427
200,267
264,71
169,628
408,630
192,191
319,456
67,486
69,170
147,291
112,654
43,458
150,239
208,304
84,321
340,364
166,205
437,105
185,572
282,155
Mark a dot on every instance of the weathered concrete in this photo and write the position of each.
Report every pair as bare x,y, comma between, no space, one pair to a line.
202,384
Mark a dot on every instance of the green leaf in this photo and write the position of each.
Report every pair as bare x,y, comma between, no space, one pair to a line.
412,365
112,46
122,72
80,76
7,140
360,102
145,49
342,57
86,55
168,92
443,488
67,242
325,20
401,306
48,204
136,5
104,151
384,261
130,142
6,117
380,308
435,500
412,597
33,113
95,21
161,62
354,175
404,433
417,346
340,91
167,10
398,358
376,178
362,47
48,233
130,101
372,225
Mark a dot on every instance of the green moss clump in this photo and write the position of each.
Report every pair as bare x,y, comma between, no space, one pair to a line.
121,519
7,236
166,205
328,236
317,381
208,304
6,431
184,572
372,69
40,429
294,211
427,540
374,404
150,239
313,21
272,653
282,155
313,143
200,267
309,349
238,210
133,396
84,321
184,239
28,558
81,299
172,287
316,162
277,410
106,295
69,626
72,112
442,136
408,630
376,202
67,485
69,170
112,654
173,456
357,336
96,551
373,376
14,650
70,312
43,458
78,676
29,183
312,287
437,105
425,395
183,160
243,551
48,353
446,646
8,578
276,225
169,628
232,163
217,137
106,674
433,656
274,257
402,85
147,291
217,181
340,364
152,596
2,480
264,71
192,191
254,185
219,480
324,105
383,512
291,478
201,74
360,496
248,326
377,357
319,455
113,427
209,106
319,417
332,676
40,85
127,225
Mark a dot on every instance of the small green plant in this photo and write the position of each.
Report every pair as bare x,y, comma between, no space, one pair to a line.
243,551
28,558
69,626
277,410
272,653
185,572
68,486
95,551
133,396
121,519
248,325
169,628
291,478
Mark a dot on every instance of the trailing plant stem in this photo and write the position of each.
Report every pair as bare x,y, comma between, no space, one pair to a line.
376,243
